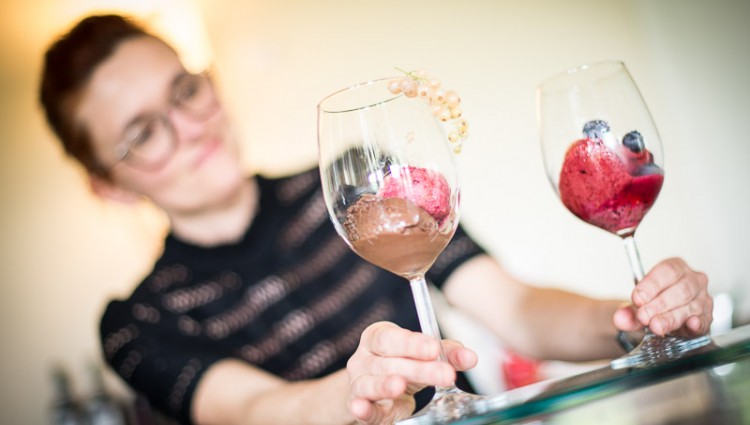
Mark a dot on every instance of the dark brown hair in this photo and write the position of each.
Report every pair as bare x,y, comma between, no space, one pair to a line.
68,64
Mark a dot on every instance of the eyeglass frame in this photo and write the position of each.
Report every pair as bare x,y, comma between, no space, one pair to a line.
124,148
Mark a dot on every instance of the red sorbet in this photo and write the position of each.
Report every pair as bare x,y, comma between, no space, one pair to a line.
596,186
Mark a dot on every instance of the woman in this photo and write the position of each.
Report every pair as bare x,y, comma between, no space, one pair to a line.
256,311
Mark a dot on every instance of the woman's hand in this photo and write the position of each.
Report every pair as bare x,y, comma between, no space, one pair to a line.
671,298
391,364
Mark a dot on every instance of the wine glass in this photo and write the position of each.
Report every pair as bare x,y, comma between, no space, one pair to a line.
603,156
391,186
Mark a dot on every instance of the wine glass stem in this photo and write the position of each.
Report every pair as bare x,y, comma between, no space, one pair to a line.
427,319
635,261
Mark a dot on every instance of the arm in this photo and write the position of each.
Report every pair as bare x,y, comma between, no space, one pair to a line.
234,392
391,363
550,323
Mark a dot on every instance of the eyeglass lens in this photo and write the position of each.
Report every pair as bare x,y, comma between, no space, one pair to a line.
151,141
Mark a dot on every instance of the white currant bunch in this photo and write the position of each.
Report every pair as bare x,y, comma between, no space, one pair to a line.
446,104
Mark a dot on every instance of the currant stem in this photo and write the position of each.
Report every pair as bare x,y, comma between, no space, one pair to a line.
412,75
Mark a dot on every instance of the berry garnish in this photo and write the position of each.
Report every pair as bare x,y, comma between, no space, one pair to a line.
445,103
595,129
634,142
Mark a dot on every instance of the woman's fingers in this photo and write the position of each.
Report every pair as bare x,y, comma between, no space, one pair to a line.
386,339
671,297
391,364
460,357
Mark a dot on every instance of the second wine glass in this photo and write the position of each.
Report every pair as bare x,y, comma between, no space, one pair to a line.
603,156
391,187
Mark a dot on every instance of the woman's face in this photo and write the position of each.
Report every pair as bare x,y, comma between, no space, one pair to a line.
138,81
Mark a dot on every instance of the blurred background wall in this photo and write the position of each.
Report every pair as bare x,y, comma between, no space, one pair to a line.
64,252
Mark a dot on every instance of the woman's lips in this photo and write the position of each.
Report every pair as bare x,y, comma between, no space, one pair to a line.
206,151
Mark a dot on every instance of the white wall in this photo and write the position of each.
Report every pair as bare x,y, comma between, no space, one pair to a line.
64,252
280,58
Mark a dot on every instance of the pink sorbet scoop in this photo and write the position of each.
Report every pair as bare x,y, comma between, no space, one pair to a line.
426,188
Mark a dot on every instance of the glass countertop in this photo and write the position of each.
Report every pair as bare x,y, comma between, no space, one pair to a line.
618,395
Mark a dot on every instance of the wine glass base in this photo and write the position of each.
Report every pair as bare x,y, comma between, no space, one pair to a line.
655,350
448,406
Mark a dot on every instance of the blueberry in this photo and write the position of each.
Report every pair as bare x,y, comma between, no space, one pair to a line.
634,142
595,129
647,169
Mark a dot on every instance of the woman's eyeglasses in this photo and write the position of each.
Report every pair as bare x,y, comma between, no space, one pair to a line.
150,141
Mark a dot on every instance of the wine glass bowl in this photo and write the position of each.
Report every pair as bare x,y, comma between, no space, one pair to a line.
603,156
391,185
602,152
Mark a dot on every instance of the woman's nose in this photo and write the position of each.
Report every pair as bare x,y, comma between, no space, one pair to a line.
186,129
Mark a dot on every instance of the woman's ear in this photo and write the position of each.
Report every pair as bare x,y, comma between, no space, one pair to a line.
108,190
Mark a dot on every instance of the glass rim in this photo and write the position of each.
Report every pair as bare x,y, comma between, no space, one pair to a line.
387,96
588,66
